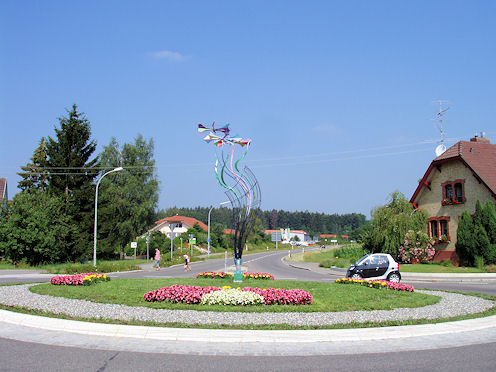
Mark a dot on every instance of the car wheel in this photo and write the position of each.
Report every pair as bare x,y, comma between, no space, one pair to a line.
394,277
356,276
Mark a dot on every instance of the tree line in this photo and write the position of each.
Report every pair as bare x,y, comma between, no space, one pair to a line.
311,222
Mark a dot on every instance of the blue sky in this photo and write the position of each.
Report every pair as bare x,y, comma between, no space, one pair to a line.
337,96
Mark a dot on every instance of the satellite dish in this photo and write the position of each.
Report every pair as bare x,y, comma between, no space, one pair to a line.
440,149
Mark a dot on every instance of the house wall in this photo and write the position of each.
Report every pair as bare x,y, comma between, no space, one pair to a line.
430,200
165,229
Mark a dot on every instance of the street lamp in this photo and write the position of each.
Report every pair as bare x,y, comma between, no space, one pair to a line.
96,208
208,238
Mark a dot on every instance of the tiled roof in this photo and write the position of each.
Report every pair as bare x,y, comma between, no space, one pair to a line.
3,188
479,156
187,220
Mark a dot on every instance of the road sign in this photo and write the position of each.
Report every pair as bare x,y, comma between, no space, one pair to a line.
276,236
134,244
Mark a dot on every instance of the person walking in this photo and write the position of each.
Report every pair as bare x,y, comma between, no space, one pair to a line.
157,259
186,263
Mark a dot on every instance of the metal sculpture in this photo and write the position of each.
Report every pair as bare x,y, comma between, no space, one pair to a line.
241,185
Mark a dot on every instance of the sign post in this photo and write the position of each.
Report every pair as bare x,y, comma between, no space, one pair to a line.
134,245
147,247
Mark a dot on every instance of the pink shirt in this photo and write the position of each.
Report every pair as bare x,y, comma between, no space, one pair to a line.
157,255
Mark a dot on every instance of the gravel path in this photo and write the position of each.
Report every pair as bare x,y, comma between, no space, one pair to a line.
451,304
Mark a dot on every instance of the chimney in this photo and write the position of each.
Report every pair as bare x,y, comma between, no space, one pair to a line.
481,139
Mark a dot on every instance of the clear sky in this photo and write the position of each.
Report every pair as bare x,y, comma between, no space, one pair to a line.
337,96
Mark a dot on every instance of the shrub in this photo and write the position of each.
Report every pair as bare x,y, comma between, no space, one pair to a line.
416,248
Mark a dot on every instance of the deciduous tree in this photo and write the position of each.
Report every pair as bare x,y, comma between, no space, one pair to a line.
128,199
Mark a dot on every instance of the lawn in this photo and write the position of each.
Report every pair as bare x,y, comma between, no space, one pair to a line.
436,268
327,297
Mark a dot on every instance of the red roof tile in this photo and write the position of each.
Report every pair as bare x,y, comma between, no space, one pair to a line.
479,156
187,220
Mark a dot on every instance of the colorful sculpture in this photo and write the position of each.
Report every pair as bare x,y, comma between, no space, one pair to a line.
241,185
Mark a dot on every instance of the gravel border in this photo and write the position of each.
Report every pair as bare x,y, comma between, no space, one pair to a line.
451,305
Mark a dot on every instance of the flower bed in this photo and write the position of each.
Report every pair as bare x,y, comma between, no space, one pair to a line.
222,274
377,284
79,279
189,294
283,296
232,296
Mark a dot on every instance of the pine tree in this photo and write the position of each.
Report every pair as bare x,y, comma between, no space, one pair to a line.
34,176
465,240
72,174
481,240
489,221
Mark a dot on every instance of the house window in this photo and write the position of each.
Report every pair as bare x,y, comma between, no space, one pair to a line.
453,192
459,192
443,224
448,191
433,229
439,228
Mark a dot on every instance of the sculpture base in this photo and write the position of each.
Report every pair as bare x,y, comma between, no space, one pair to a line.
238,274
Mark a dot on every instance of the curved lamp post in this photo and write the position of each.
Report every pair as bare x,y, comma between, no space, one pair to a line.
208,238
96,208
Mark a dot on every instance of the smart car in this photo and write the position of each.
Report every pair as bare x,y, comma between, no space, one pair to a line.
375,266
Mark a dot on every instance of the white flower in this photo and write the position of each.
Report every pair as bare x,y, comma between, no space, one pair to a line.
232,297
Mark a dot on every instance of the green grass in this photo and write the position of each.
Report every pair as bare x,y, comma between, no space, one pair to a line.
327,297
338,257
436,268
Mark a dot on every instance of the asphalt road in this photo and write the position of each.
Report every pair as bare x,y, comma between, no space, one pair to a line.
23,356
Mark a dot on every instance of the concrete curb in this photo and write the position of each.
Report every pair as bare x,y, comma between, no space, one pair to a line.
243,336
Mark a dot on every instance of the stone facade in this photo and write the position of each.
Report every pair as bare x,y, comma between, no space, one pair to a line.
452,184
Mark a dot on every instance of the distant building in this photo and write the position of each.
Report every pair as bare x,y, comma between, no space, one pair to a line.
454,181
4,194
181,225
287,235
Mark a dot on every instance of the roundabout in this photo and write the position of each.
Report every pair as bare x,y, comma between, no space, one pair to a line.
133,347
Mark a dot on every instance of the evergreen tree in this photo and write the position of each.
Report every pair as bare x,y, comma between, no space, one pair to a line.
465,240
128,199
489,221
72,174
478,215
34,176
481,240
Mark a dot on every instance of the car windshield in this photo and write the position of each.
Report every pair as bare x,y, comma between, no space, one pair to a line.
361,259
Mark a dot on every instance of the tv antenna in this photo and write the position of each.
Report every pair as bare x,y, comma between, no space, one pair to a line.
439,118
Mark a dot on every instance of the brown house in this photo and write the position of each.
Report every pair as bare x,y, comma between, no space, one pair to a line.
454,182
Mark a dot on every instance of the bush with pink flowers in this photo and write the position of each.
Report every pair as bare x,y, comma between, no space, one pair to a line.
417,248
